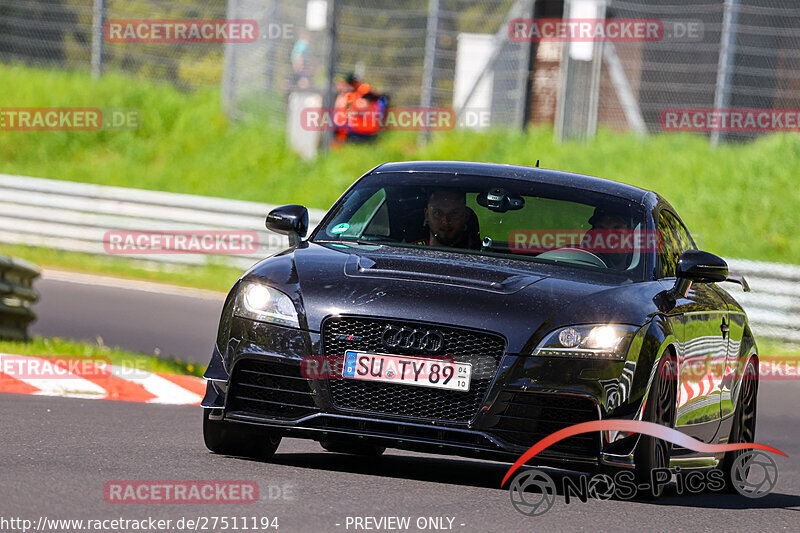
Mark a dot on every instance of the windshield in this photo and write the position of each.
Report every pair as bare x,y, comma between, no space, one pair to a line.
495,217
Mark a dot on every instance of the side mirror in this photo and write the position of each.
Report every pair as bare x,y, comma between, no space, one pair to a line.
700,267
290,220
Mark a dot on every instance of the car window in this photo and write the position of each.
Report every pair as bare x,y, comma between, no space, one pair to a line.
675,240
366,217
527,221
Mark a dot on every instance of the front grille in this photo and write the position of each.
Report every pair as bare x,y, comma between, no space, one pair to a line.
524,418
271,389
482,350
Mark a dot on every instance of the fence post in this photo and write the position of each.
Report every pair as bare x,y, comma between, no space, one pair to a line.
727,45
229,66
533,48
429,64
523,72
579,77
98,20
330,91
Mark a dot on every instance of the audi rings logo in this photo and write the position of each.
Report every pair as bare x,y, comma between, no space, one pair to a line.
418,340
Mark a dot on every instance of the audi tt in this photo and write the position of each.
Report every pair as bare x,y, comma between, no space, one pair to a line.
473,309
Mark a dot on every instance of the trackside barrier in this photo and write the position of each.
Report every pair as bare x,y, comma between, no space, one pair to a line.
773,305
77,217
16,297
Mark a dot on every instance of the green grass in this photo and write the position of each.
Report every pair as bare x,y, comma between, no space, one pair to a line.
777,351
55,347
738,200
211,277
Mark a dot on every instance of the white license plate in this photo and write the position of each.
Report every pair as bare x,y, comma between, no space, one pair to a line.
404,370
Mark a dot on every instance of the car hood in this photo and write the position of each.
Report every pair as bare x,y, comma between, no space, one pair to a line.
516,298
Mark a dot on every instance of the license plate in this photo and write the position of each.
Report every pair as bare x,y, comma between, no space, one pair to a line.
435,373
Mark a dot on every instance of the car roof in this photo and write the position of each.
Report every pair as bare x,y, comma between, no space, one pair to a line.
519,172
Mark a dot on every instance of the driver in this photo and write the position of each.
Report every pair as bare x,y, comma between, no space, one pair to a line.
604,220
446,217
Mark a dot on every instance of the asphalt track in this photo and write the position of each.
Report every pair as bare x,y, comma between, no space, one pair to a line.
56,454
136,316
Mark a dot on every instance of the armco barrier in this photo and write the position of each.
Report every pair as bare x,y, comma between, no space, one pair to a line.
16,297
77,216
71,216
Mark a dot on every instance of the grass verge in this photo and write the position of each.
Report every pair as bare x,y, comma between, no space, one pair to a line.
210,277
55,347
186,144
777,351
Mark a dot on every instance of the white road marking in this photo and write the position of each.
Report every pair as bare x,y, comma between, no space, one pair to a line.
130,284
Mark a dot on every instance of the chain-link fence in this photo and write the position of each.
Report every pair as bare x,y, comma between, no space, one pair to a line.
718,54
439,53
69,34
458,54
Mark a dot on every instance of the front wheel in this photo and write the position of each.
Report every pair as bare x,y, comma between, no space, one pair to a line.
241,440
651,453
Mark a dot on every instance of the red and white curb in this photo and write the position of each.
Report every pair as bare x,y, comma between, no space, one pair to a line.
109,382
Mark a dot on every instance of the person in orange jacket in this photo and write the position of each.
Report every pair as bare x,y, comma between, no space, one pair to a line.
359,112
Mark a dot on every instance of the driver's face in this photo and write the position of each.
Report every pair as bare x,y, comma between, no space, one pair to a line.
447,217
610,222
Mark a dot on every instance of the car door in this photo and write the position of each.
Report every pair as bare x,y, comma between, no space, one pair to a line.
735,326
697,319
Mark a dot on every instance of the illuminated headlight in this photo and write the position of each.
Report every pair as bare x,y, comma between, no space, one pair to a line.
259,302
604,341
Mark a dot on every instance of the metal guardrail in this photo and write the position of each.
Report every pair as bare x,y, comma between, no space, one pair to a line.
76,216
16,297
773,305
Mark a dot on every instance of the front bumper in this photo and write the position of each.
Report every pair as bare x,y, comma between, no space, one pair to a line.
261,383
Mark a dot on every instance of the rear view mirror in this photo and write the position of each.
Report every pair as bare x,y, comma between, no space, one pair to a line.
500,200
290,220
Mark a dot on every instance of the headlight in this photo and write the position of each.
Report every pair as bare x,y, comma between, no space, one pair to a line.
263,303
604,341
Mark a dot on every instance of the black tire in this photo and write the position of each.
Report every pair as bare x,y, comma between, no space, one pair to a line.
744,422
351,446
228,438
652,453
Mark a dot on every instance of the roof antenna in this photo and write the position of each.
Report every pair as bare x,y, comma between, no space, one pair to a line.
537,163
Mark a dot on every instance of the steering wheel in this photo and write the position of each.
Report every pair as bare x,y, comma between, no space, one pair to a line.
567,253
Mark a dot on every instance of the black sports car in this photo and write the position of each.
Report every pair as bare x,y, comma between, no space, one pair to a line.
473,309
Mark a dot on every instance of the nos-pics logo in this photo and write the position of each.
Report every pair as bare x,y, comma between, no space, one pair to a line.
753,473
